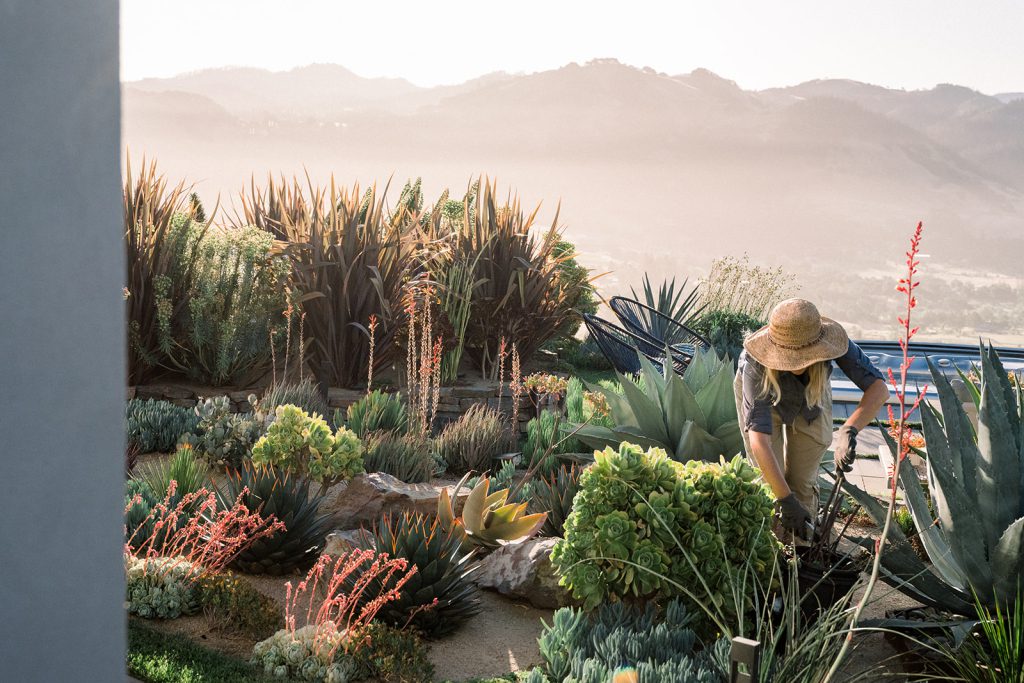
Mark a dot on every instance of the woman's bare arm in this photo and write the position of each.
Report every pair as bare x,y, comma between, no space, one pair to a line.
764,455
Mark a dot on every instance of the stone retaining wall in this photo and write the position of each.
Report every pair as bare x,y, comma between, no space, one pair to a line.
452,401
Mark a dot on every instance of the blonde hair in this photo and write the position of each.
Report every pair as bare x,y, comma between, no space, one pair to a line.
817,383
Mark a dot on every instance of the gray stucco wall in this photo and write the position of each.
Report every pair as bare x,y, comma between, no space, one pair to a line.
61,327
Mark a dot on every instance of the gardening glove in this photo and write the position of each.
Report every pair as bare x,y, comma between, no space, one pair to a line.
794,516
846,448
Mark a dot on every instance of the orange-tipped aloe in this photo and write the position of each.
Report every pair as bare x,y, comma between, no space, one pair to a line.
487,519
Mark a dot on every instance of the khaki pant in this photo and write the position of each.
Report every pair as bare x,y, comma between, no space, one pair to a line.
800,446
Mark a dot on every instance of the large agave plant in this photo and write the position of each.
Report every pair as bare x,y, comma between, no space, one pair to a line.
443,572
286,497
487,520
692,417
974,528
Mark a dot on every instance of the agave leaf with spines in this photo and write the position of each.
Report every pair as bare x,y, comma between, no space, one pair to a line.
974,531
692,417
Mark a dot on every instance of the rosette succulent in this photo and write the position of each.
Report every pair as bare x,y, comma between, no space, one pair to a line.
304,444
162,587
643,525
311,653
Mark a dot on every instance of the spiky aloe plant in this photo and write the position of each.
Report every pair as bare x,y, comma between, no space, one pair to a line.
272,491
443,571
692,417
554,495
487,519
974,529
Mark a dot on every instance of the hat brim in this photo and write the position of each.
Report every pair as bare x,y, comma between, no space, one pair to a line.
832,344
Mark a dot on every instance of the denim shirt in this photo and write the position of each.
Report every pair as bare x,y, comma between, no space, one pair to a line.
757,408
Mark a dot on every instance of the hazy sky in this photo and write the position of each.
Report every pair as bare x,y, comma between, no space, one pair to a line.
758,43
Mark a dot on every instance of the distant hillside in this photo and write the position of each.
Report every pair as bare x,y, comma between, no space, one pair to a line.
654,171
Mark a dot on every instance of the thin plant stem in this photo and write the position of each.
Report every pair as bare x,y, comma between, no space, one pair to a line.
906,286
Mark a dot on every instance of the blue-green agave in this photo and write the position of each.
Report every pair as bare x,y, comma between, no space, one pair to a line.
974,528
691,417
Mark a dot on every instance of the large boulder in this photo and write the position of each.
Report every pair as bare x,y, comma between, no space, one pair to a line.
343,541
363,500
523,571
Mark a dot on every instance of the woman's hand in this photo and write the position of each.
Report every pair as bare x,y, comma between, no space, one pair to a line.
795,516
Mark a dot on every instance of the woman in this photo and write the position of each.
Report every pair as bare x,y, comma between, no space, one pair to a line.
784,402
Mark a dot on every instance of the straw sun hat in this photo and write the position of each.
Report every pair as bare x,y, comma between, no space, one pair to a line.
795,337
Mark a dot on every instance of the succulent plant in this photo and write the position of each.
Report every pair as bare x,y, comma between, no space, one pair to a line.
375,412
642,525
408,457
221,437
184,468
554,495
690,417
487,520
286,496
582,647
151,484
473,441
443,573
231,603
974,530
304,394
305,444
544,441
311,653
156,426
162,587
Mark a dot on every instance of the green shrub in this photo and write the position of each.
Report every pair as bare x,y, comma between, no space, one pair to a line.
443,573
662,648
726,331
231,603
304,394
394,656
408,457
544,441
156,426
233,282
159,657
306,445
645,526
471,442
285,496
183,467
575,279
376,412
162,587
224,438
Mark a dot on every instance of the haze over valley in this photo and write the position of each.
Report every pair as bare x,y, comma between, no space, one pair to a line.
655,172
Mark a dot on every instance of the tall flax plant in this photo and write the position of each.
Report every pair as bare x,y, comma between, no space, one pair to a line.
349,262
518,293
152,251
